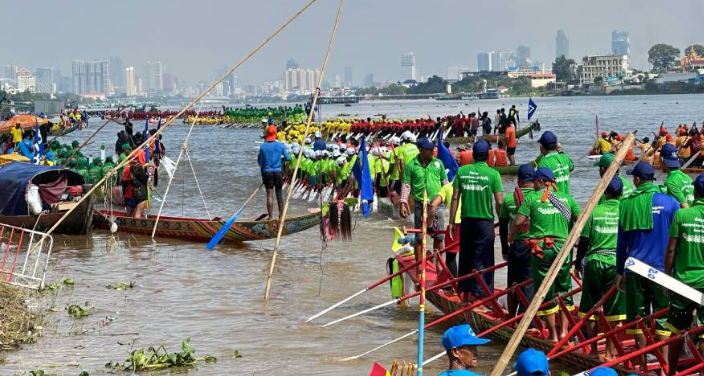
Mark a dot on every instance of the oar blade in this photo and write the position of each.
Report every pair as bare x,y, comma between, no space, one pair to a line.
221,233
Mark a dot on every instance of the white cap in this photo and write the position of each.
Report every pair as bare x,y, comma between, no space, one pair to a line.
335,153
407,136
265,120
375,152
335,147
350,151
317,134
323,153
342,149
328,146
341,160
308,140
395,140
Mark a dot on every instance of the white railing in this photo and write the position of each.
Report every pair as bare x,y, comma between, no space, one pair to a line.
25,256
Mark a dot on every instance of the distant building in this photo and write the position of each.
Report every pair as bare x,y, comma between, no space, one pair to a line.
369,80
45,81
409,69
292,64
500,61
116,76
484,62
348,76
522,56
542,79
169,83
301,80
562,45
90,76
528,71
25,81
620,43
603,66
10,72
130,87
153,78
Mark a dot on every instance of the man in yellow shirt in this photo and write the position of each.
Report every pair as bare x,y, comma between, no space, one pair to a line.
602,145
683,151
16,134
444,197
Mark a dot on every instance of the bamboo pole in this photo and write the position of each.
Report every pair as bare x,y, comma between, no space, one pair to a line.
421,320
300,153
561,257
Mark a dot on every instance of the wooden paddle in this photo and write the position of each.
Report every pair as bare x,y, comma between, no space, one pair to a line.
561,257
226,227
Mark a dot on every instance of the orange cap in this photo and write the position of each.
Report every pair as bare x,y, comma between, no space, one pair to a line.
270,133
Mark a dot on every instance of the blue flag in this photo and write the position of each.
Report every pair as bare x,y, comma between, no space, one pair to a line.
38,145
531,108
363,175
145,136
444,155
157,148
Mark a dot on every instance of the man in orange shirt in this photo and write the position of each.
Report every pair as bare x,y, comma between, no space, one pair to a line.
500,155
465,155
491,159
510,136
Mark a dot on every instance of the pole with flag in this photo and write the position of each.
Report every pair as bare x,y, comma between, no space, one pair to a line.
445,157
145,136
38,145
363,175
532,107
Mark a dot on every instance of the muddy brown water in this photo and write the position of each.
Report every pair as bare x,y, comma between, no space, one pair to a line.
215,298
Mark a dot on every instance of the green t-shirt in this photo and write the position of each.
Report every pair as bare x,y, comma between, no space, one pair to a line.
95,173
477,183
602,231
679,185
628,188
394,171
561,166
381,166
347,168
545,219
688,228
408,152
430,177
509,209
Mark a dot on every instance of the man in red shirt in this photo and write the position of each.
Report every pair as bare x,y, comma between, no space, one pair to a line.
511,143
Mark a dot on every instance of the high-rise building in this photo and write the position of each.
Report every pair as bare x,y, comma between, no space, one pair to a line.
302,80
130,88
484,62
500,61
292,64
90,76
45,81
562,45
369,80
522,56
153,78
348,77
116,70
409,69
25,81
10,72
620,42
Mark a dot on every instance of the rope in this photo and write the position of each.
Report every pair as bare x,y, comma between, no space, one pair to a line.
300,152
170,120
188,157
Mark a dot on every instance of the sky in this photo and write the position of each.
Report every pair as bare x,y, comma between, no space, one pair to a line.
196,39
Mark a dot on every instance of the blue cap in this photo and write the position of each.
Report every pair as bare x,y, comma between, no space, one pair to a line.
425,143
615,186
532,363
699,185
461,335
642,170
526,172
547,138
669,156
544,174
602,371
480,147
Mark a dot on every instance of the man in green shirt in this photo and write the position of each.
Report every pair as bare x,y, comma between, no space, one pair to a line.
551,213
684,260
603,163
559,163
677,184
517,254
423,173
475,185
596,260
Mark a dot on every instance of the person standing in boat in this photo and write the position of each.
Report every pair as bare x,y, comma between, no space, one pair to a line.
677,184
684,260
269,159
551,213
476,184
460,345
560,164
644,222
510,136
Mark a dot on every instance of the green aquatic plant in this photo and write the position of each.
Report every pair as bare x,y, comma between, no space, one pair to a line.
68,282
236,354
77,312
154,358
121,286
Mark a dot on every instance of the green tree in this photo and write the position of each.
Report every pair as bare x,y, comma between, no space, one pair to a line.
663,56
393,89
435,84
698,48
562,67
367,91
598,80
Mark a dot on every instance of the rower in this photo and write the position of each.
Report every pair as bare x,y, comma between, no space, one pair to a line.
517,254
532,362
510,136
677,184
464,155
319,143
551,213
444,197
269,159
475,184
603,163
423,174
597,248
644,221
500,155
684,261
407,151
560,164
602,145
460,345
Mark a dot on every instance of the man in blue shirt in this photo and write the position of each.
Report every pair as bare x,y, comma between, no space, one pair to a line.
319,143
270,154
461,343
643,233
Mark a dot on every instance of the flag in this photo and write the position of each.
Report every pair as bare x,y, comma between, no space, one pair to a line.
38,145
444,155
145,136
363,175
531,108
378,370
157,148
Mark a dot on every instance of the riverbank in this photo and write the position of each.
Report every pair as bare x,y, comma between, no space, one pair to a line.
18,325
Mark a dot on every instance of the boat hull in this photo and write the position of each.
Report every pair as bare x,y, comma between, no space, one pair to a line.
79,222
493,138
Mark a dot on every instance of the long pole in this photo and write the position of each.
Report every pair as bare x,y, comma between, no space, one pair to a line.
421,320
561,257
300,153
93,135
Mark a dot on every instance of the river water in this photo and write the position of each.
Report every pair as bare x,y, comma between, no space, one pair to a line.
215,298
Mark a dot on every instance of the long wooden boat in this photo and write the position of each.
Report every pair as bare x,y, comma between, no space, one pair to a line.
203,229
534,126
79,222
507,170
64,131
693,170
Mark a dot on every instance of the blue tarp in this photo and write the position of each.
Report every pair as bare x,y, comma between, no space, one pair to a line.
14,178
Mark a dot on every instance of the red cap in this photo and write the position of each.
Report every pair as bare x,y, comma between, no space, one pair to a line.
668,138
663,131
270,133
603,133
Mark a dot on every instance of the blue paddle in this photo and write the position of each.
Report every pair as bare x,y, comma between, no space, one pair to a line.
226,227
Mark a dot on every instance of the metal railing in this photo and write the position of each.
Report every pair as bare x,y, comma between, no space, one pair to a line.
25,256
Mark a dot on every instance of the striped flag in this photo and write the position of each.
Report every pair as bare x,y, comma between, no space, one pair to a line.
38,145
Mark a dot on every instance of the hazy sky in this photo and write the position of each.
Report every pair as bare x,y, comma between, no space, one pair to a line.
193,39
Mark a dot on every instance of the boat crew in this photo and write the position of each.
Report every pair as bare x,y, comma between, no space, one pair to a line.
510,136
644,222
596,260
603,163
677,184
684,261
16,135
460,345
560,164
517,254
602,146
551,212
513,115
532,362
269,159
475,184
500,155
444,197
407,151
423,174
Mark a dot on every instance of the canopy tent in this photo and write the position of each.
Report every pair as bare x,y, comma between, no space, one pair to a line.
27,122
51,180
